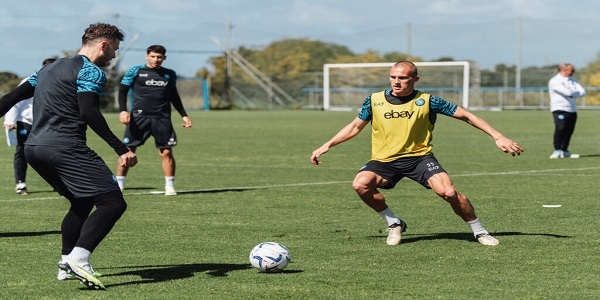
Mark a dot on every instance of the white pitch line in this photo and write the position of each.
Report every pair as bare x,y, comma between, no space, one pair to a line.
24,198
243,188
196,191
271,166
524,172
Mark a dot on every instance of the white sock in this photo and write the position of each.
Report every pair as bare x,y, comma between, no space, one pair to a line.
80,256
121,182
169,180
62,257
389,216
476,227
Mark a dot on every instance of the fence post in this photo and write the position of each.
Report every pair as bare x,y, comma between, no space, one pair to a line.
206,94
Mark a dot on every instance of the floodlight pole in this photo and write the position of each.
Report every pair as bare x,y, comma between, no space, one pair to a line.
518,68
229,27
408,41
226,83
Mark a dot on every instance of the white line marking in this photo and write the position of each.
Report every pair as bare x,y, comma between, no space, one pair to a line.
523,172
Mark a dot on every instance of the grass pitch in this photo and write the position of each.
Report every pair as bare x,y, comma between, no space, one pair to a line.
245,177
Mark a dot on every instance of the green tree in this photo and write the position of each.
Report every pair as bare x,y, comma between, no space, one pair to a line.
290,63
293,64
590,76
397,56
8,81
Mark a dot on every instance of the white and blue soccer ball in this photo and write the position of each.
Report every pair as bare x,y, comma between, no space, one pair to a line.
269,257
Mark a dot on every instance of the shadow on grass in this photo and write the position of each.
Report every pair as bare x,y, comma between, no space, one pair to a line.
208,191
465,236
154,274
589,155
27,234
181,192
138,188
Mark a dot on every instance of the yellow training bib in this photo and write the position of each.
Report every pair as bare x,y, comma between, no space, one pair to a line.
400,130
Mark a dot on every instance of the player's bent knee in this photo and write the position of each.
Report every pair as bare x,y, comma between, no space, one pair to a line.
449,195
357,186
165,152
113,199
360,186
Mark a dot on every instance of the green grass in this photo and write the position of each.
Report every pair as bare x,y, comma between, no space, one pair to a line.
245,177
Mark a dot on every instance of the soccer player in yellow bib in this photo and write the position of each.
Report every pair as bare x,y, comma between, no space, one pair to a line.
402,120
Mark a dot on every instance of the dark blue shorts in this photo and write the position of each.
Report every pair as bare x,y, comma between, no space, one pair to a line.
141,128
74,172
419,169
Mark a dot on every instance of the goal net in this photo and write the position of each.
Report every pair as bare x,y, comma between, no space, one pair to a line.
345,86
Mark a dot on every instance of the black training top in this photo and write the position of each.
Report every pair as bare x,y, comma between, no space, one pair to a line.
66,100
153,92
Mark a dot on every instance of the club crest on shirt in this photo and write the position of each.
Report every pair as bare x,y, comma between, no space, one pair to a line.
419,102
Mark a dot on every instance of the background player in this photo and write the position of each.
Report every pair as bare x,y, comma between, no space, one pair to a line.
154,90
20,117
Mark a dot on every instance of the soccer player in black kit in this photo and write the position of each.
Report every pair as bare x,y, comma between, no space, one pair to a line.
154,90
67,101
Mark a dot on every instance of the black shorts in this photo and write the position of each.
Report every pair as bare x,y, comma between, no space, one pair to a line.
74,172
141,128
419,169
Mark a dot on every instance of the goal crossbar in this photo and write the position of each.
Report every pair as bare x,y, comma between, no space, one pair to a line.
328,67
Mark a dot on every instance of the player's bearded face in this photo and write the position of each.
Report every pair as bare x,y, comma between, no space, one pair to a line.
109,49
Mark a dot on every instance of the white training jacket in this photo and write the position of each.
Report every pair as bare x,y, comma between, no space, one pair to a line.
564,92
22,111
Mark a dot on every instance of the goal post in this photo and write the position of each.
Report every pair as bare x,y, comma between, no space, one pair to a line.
346,85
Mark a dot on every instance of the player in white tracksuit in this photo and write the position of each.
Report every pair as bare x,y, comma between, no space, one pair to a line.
564,91
20,118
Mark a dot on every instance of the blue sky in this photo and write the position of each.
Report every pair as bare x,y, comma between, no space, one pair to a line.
489,32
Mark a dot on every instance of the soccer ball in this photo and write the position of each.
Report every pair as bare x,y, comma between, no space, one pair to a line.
269,257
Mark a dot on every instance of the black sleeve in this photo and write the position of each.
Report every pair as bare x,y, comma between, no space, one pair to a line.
123,91
89,108
22,92
176,100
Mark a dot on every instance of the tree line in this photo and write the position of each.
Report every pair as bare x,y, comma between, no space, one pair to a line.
289,59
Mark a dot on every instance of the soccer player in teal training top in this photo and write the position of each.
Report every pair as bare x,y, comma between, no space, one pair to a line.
154,90
66,101
402,121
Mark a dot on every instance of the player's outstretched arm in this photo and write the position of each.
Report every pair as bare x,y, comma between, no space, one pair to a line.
505,144
21,92
346,133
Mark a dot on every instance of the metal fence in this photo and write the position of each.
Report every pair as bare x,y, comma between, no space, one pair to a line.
307,96
524,98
